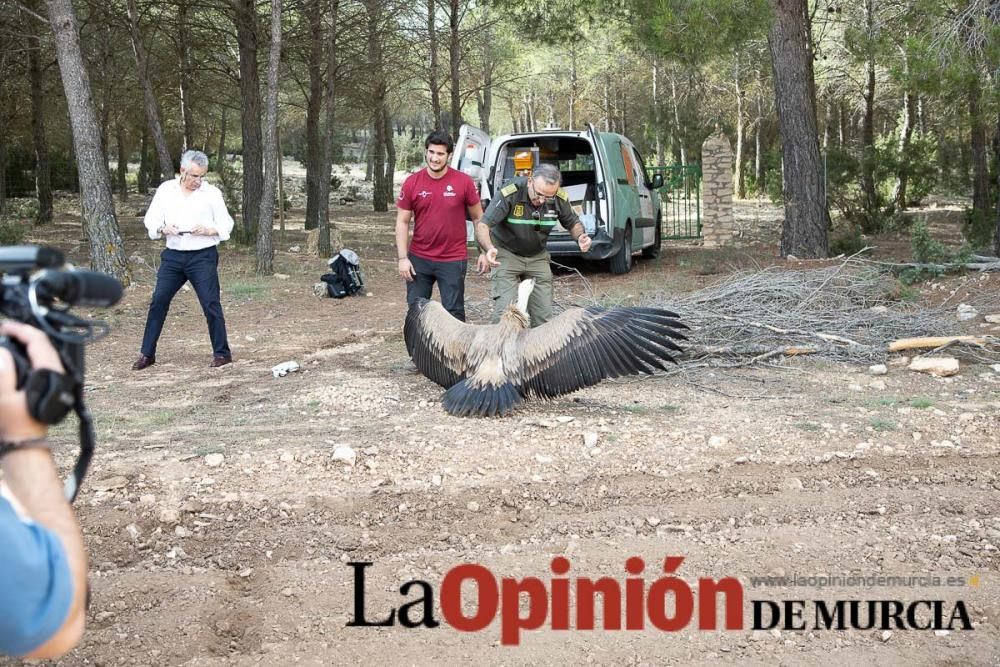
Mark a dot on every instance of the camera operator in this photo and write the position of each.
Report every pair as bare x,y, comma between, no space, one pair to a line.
43,565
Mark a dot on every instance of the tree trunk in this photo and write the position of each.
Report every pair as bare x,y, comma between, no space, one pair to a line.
868,156
390,158
43,171
657,115
484,97
329,103
434,74
122,172
759,175
980,171
149,96
220,159
906,125
250,113
184,58
3,170
265,241
574,85
380,124
314,108
807,218
145,176
739,179
454,60
107,48
996,157
677,133
107,252
379,201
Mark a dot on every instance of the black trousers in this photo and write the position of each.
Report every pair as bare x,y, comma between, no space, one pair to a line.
177,267
450,279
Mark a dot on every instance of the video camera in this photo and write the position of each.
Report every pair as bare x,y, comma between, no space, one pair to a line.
39,290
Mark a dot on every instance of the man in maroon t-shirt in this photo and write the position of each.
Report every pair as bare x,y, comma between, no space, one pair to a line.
438,199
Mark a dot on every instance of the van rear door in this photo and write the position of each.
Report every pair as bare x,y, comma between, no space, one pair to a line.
471,149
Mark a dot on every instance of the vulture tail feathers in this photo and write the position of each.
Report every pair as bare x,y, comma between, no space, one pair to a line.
465,399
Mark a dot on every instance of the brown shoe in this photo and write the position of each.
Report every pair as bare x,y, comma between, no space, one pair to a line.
221,361
143,362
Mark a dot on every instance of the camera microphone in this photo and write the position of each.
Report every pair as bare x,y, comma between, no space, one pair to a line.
80,287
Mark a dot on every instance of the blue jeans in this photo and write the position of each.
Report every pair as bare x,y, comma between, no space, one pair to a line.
450,279
177,267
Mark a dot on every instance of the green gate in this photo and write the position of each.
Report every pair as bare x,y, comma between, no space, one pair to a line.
680,201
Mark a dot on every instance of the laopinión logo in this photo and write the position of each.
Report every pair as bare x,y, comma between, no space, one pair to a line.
667,604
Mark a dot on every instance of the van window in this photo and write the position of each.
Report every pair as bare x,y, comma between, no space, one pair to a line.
640,165
627,165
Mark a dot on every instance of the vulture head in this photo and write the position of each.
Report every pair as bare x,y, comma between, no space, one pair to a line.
488,370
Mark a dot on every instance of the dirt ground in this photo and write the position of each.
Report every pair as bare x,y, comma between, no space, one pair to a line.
807,468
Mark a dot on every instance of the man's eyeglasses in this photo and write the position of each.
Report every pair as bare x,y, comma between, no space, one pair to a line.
194,177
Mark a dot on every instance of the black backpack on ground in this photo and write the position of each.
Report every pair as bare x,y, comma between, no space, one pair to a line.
345,277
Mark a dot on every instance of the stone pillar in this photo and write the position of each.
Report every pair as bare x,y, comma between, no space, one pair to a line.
718,222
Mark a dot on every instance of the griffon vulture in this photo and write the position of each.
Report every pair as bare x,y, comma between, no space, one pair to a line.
489,369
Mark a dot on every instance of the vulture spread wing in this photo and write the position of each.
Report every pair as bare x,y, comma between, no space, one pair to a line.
583,346
437,342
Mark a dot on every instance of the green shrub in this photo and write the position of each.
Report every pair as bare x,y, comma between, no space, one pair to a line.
850,242
926,250
11,233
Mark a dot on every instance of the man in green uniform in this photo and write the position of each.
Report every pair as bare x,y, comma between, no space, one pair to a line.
512,234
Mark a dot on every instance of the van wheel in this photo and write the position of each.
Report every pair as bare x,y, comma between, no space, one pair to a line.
622,261
653,251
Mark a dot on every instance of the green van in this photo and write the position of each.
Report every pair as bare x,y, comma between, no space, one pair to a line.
603,174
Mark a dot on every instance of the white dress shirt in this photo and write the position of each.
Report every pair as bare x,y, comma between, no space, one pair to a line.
204,206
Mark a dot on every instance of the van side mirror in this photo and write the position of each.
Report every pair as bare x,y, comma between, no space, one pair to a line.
657,182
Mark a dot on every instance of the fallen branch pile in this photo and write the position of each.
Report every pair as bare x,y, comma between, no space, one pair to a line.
849,312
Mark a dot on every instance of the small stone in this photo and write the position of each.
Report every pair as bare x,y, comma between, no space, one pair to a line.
942,633
740,460
877,385
287,592
436,480
886,635
345,454
717,441
966,312
181,531
653,521
936,366
878,369
793,484
543,459
147,498
214,460
472,506
193,506
992,319
168,515
282,276
564,419
590,439
133,531
286,457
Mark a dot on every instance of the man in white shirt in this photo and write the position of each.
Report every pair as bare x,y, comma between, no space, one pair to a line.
192,215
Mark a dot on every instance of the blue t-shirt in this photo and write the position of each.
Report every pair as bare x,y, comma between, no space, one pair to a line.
36,587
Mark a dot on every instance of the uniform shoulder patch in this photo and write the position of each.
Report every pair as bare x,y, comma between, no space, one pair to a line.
508,190
562,194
